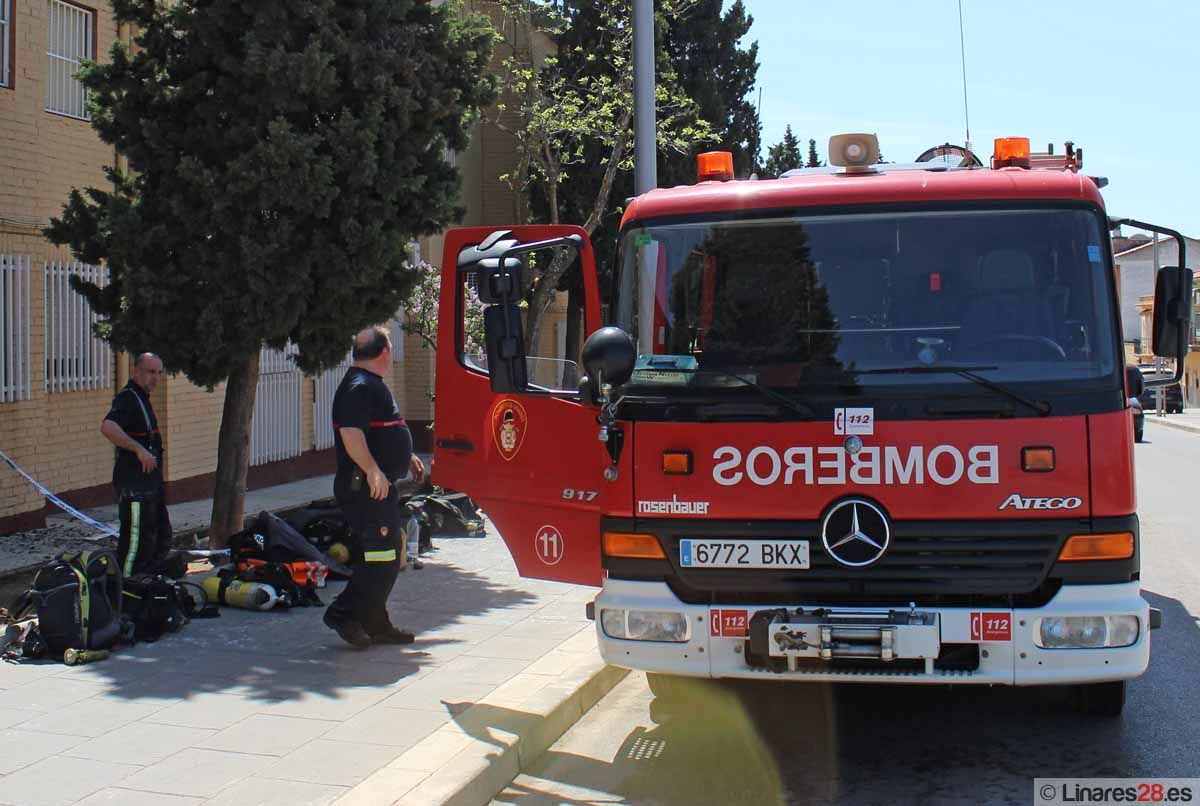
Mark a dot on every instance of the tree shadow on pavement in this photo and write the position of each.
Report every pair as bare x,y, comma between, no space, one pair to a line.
280,655
798,743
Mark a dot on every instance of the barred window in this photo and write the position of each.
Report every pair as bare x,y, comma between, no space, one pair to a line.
75,358
6,43
71,40
15,327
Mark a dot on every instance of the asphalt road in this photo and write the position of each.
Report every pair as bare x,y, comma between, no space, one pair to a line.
812,743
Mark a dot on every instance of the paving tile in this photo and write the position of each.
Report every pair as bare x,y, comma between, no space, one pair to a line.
47,694
200,773
140,743
273,792
439,693
383,786
267,735
544,628
127,797
433,751
333,763
13,675
13,716
20,748
554,663
399,727
471,668
90,718
337,707
60,781
212,711
504,646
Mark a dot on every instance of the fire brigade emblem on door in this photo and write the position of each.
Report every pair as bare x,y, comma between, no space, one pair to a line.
855,532
509,423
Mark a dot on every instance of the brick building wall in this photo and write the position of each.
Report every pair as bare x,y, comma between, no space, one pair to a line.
43,155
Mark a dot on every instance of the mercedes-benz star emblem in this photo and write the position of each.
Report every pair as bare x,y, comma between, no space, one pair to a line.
855,532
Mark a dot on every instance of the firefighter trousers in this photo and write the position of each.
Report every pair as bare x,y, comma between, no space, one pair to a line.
377,525
146,533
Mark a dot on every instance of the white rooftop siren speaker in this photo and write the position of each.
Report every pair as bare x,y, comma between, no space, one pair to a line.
854,151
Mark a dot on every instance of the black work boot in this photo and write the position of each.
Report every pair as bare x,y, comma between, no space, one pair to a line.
347,628
391,635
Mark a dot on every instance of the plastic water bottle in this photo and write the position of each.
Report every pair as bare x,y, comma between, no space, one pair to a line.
414,540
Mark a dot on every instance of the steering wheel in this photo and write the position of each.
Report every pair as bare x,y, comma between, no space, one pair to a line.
1048,348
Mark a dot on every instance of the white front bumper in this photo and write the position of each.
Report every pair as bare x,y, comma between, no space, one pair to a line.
1015,662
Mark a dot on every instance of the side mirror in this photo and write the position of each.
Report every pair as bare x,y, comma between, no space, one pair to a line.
500,280
1134,381
1172,312
609,356
505,347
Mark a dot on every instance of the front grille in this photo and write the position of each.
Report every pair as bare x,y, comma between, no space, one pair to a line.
925,562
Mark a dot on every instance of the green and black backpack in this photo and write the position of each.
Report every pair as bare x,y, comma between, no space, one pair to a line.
77,598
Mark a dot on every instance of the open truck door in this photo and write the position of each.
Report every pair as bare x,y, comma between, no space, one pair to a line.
511,427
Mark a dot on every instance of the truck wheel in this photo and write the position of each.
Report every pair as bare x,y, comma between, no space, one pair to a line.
1101,699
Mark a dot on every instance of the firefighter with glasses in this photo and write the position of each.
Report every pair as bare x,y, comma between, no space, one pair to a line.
132,428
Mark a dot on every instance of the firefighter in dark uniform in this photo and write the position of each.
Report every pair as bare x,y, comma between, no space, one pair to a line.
374,451
137,471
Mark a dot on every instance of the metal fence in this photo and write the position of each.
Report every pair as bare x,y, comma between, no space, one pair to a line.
275,433
75,359
327,383
15,328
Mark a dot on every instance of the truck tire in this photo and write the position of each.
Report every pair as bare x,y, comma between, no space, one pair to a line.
1101,699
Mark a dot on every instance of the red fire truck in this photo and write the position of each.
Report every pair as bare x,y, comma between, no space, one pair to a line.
862,423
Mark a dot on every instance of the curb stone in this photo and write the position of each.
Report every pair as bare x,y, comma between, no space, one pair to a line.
498,743
1166,421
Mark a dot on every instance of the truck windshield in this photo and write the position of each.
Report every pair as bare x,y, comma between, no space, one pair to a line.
806,302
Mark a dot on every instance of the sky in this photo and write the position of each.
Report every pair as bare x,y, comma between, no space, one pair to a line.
1120,81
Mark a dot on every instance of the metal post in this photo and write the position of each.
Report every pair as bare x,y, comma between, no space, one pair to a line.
645,144
1160,397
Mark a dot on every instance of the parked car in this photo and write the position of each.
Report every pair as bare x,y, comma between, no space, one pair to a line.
1139,419
1174,397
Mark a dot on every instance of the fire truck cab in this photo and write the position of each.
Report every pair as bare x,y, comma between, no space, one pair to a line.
863,423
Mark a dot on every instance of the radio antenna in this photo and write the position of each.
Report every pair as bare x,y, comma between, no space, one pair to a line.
962,44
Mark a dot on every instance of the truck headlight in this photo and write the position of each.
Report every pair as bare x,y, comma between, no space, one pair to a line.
644,625
1086,632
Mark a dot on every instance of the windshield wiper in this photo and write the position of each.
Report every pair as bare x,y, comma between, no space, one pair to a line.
964,371
797,406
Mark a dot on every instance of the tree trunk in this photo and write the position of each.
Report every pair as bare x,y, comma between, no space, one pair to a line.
543,293
570,377
233,453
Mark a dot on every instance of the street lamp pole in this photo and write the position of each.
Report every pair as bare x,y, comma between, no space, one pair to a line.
645,140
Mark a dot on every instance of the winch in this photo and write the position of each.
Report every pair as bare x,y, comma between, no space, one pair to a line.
781,636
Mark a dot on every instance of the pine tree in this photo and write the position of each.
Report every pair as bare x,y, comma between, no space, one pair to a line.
783,156
814,161
281,158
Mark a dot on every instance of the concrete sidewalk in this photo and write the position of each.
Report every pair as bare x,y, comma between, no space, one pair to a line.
274,708
1188,421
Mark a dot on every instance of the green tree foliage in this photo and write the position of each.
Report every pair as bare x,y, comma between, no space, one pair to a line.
783,156
814,161
704,48
571,114
281,157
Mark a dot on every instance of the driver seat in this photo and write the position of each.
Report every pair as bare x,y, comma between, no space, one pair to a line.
1005,300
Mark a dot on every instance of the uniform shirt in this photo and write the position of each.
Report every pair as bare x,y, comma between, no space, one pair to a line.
363,401
132,411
